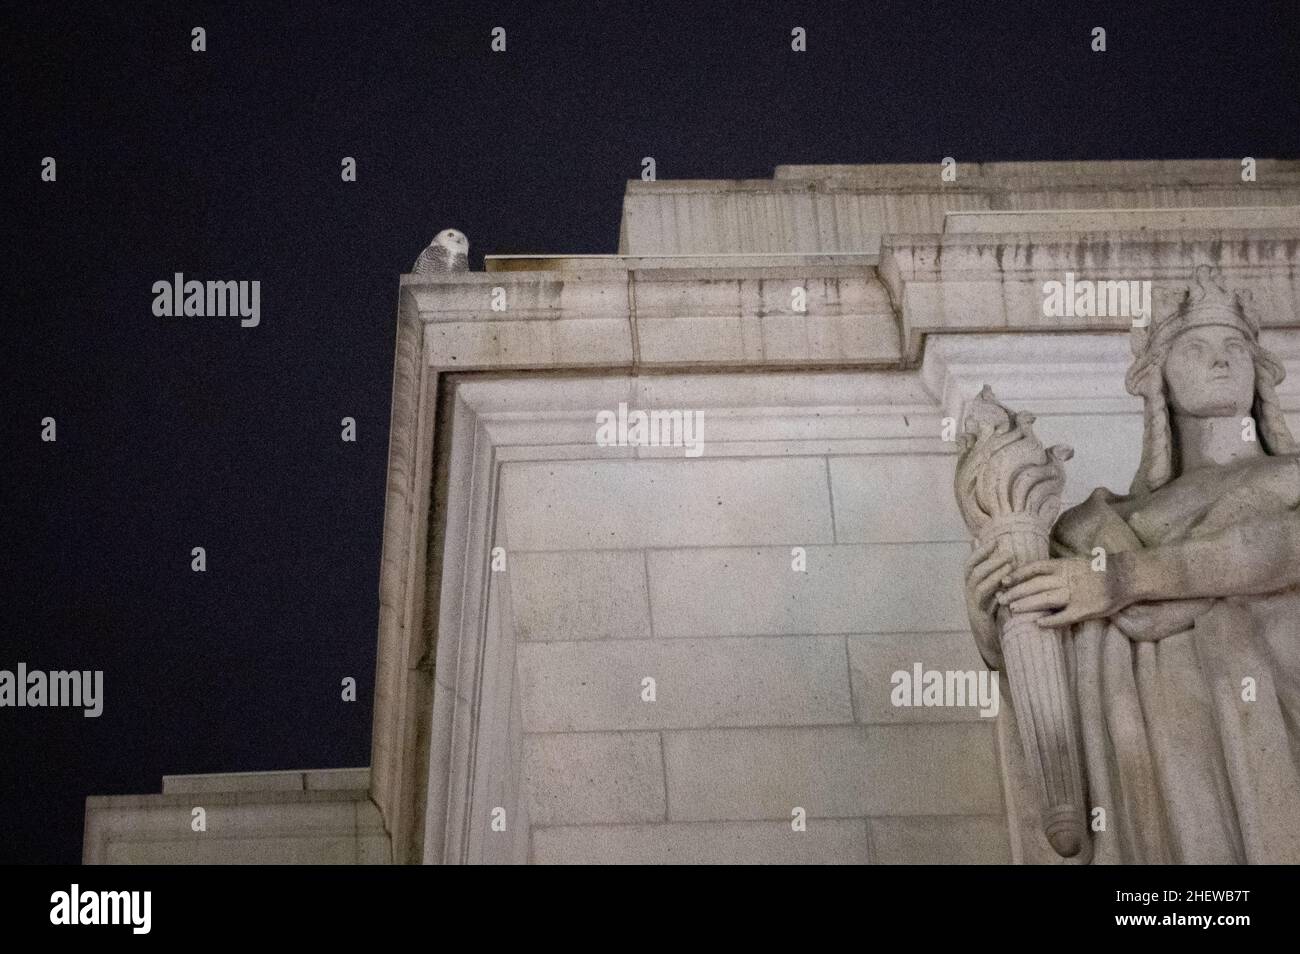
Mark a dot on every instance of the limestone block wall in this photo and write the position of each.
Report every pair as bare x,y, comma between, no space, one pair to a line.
771,684
770,588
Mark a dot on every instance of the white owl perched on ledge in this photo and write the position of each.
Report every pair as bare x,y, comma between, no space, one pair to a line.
448,252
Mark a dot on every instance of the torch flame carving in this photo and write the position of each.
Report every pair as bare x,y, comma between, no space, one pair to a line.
1009,489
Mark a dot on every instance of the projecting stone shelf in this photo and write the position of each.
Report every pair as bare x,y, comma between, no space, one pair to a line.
1123,220
585,263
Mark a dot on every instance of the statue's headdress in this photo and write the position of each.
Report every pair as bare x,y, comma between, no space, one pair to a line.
1205,302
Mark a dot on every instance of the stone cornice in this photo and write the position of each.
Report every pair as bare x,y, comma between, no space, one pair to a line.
990,283
851,208
858,315
662,318
1110,173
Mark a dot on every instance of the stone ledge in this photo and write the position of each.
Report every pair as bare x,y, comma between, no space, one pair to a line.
990,283
850,209
1112,173
496,264
981,281
349,779
997,222
189,799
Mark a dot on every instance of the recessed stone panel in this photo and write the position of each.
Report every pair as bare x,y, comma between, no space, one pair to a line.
577,594
583,505
845,589
825,841
831,771
782,680
578,778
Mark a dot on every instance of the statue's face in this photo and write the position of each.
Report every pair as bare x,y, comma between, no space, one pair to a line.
1210,372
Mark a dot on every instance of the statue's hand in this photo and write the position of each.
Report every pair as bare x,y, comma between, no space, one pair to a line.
985,568
1072,588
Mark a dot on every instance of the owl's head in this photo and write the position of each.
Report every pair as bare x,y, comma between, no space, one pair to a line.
453,240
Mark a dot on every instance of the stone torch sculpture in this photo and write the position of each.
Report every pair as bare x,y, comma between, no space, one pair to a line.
1009,489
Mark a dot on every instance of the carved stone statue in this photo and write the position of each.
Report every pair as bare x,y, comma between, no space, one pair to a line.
1009,492
1176,611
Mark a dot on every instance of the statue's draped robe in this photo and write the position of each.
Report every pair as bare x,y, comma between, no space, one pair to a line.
1189,710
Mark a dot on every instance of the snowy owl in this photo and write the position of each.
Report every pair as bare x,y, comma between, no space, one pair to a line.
448,252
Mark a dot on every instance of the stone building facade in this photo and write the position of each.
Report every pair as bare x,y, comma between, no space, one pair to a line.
601,650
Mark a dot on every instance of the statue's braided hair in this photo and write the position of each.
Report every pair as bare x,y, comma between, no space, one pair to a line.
1146,379
1273,428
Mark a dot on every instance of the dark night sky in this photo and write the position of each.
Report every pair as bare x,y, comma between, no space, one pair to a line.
175,433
